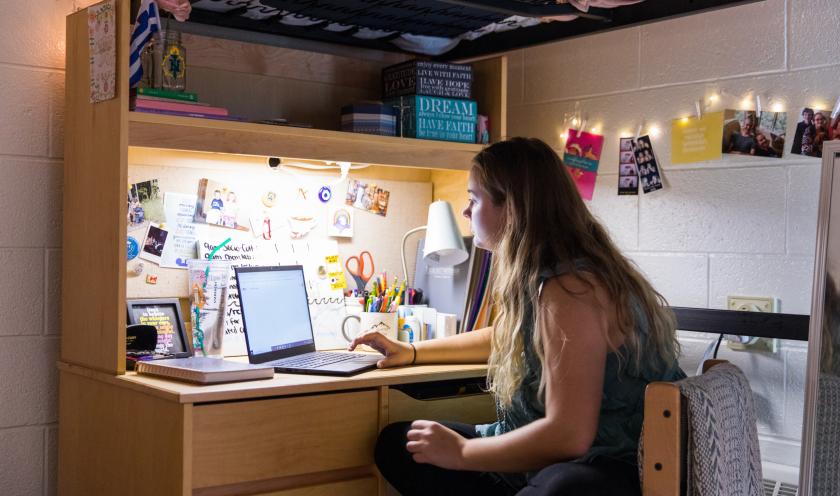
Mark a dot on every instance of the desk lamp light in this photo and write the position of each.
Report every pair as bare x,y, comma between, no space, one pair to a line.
444,245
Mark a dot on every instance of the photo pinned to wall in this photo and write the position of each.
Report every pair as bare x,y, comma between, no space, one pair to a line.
219,205
145,204
581,156
180,245
340,224
628,173
154,243
649,175
368,196
747,133
814,128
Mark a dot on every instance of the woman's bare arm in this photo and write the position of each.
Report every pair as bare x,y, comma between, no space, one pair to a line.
469,347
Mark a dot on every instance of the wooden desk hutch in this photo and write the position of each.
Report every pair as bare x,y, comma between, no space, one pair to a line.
120,433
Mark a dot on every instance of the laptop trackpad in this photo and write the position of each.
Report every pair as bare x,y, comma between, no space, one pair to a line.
361,362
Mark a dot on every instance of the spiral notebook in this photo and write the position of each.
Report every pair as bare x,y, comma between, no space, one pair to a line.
203,370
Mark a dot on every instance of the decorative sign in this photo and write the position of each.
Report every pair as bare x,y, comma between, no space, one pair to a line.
582,155
696,140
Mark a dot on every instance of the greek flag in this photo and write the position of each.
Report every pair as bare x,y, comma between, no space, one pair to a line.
146,24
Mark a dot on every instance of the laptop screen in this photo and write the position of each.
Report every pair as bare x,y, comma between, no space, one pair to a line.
275,311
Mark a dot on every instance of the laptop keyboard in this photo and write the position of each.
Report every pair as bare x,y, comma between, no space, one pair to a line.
313,359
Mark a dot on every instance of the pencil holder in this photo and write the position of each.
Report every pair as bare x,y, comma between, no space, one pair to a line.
209,282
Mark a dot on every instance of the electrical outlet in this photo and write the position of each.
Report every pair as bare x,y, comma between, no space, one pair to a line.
752,304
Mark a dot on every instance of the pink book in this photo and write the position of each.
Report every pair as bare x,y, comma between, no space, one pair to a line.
179,107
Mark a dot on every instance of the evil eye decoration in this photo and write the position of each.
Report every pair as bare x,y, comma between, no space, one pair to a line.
133,248
325,194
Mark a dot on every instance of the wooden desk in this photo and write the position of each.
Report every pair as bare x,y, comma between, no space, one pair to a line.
292,435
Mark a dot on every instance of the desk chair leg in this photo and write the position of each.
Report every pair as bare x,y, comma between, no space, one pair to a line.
662,465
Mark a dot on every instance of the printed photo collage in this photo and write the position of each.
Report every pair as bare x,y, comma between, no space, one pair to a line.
628,174
649,175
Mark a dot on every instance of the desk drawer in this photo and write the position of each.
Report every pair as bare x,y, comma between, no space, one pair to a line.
367,486
263,439
471,408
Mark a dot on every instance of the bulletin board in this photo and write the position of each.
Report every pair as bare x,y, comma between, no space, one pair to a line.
294,197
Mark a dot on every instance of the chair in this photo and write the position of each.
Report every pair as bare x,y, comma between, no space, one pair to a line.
699,436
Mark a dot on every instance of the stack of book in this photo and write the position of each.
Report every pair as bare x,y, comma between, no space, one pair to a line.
159,101
432,100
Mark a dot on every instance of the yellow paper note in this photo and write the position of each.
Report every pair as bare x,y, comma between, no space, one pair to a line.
335,272
696,140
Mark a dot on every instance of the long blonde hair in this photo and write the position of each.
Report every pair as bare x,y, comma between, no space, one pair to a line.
546,223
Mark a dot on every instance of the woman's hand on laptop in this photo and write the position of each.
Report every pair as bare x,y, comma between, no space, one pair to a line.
396,353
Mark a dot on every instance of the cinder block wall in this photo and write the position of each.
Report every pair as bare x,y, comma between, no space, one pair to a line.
31,150
738,226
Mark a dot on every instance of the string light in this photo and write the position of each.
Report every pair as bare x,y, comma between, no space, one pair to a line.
653,130
746,103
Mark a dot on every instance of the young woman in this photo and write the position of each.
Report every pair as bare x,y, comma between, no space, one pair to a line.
578,336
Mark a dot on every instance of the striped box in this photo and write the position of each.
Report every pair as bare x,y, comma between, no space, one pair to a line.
369,118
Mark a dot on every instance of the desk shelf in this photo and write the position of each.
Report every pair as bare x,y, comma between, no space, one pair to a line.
219,136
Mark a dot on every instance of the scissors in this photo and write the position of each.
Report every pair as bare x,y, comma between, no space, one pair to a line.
359,274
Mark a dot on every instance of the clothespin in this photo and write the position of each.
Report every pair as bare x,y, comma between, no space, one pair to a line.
698,108
639,129
757,104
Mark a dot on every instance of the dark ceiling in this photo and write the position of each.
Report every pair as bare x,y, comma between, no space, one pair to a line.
444,18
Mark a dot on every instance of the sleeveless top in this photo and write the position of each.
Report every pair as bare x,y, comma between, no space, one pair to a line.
622,401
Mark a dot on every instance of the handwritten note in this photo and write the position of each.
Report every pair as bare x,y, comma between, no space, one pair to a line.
180,245
242,251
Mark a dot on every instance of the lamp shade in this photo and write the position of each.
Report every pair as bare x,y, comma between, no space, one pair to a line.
444,244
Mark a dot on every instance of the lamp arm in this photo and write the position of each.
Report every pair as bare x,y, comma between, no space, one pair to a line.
402,251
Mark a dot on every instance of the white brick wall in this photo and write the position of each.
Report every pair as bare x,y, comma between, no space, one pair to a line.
31,148
737,226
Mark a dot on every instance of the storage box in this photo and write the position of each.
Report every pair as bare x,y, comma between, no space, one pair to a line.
431,117
369,118
420,77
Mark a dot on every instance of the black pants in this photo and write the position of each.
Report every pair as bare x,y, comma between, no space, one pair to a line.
603,478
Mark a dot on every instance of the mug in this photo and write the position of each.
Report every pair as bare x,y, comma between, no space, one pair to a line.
383,322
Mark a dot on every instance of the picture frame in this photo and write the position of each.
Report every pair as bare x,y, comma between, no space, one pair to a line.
165,315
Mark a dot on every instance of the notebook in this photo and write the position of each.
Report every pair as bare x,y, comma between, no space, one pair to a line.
278,327
204,370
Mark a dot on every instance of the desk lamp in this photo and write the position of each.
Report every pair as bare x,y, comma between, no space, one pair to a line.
444,245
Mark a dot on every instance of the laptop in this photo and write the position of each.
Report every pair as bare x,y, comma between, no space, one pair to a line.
278,327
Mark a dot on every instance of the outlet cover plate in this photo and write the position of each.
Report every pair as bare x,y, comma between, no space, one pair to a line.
751,303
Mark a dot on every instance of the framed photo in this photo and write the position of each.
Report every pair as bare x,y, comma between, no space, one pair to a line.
165,315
